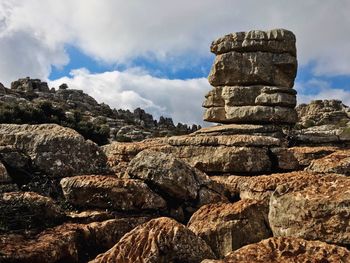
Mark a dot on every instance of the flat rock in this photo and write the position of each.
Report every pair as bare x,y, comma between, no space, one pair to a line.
286,250
251,115
275,41
53,149
336,162
26,210
97,191
229,226
305,155
318,209
66,243
253,68
159,240
276,99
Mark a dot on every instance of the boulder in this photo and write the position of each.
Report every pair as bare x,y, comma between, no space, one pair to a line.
53,149
336,162
305,155
317,209
285,250
26,210
276,99
159,240
107,192
229,226
253,68
275,41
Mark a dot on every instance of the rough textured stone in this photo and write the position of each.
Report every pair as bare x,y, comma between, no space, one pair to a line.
240,96
251,115
227,227
66,243
214,98
234,68
53,149
275,41
25,210
284,159
336,162
4,176
286,250
315,210
305,155
276,99
159,240
110,193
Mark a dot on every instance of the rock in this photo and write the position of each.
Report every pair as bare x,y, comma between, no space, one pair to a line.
66,243
284,159
318,209
108,192
285,250
251,115
336,162
14,158
234,68
275,41
276,99
214,98
227,227
159,240
261,187
29,85
305,155
26,210
240,95
53,149
4,176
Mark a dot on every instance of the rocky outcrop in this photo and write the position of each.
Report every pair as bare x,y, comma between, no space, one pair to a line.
252,80
159,240
315,210
26,210
305,155
108,192
285,250
54,150
227,227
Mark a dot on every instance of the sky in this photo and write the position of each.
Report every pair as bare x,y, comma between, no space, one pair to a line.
155,54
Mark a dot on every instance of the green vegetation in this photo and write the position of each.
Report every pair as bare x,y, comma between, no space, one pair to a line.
45,112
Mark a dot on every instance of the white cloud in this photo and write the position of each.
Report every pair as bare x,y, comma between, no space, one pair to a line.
179,99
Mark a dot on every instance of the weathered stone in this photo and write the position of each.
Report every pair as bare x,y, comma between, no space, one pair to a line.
276,99
261,187
240,96
14,158
4,176
286,250
111,193
214,98
25,210
251,114
226,227
66,243
336,162
159,240
315,210
29,85
275,41
253,68
305,155
284,159
53,149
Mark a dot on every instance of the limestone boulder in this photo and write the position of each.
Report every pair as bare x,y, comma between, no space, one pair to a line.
276,99
275,41
315,210
253,68
336,162
26,210
285,250
107,192
229,226
159,240
53,149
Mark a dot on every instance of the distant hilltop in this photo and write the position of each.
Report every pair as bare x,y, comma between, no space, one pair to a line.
31,101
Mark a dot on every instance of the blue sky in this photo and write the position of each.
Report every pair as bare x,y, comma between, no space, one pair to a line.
155,54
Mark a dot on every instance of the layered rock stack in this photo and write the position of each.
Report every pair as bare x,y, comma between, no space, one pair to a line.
253,76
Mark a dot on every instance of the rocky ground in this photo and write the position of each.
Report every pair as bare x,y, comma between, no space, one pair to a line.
253,189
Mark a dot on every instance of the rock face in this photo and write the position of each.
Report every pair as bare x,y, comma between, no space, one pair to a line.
53,149
285,250
315,210
227,227
110,193
159,240
252,75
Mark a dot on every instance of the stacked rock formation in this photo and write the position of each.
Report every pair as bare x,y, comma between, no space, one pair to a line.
253,76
